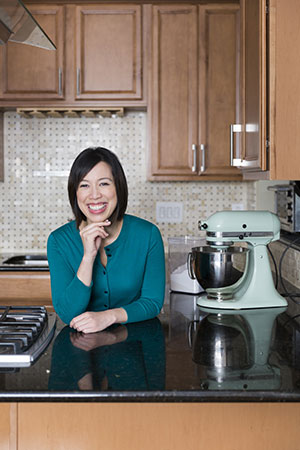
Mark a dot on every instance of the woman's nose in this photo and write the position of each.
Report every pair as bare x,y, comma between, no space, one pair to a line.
96,192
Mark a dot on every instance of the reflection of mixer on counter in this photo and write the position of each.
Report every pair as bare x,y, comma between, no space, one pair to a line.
236,277
232,350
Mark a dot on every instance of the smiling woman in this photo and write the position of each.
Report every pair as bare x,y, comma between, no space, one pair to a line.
96,194
106,266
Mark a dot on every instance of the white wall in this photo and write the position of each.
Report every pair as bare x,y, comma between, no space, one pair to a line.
266,199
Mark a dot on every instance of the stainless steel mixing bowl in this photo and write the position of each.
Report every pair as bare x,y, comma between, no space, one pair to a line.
217,268
222,343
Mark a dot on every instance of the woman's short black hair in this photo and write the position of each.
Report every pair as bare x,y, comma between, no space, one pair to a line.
83,163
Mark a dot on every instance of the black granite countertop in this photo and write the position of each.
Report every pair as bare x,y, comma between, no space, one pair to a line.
184,355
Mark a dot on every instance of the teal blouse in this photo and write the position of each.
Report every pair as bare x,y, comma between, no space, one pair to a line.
134,277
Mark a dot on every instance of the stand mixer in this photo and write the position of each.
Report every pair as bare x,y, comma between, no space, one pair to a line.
217,266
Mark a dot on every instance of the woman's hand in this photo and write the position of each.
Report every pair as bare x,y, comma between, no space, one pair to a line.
93,321
91,236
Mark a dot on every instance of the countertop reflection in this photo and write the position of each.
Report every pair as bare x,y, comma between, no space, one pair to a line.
187,354
125,357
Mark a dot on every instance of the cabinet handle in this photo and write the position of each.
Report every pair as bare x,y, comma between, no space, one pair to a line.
202,148
194,150
78,82
59,81
234,128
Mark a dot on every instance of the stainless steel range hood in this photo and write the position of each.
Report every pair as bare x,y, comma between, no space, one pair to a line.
18,25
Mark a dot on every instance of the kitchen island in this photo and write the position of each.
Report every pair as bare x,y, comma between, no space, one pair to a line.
187,379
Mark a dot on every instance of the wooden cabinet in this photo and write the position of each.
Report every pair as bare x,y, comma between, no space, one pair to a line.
120,426
98,60
108,52
8,426
254,89
31,73
25,288
271,90
193,91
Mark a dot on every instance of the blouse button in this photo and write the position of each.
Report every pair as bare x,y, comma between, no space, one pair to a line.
104,272
105,292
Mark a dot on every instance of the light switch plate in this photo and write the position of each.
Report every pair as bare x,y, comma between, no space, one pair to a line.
237,206
169,212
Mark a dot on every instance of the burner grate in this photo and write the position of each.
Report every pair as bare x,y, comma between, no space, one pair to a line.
24,333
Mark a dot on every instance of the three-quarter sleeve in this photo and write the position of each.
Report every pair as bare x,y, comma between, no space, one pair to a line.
70,297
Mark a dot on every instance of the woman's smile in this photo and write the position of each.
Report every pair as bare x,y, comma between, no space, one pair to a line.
97,208
96,193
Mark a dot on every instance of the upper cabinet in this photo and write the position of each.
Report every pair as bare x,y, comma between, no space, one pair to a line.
108,52
98,59
30,73
193,91
266,145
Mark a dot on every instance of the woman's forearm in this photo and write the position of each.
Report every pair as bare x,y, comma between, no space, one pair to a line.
85,270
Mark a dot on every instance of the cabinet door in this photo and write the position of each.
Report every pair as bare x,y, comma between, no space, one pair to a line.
25,287
254,123
173,99
194,91
8,423
284,75
34,73
176,426
108,52
218,87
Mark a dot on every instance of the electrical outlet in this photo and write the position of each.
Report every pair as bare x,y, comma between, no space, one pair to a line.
169,212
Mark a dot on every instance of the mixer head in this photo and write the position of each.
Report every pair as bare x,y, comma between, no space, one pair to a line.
223,228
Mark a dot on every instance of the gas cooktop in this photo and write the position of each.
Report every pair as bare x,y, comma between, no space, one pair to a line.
25,332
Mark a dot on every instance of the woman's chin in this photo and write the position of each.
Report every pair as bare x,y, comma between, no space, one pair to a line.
96,218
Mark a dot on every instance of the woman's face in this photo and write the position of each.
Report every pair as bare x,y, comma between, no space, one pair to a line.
96,194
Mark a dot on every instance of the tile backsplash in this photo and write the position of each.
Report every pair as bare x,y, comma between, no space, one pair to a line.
287,261
38,154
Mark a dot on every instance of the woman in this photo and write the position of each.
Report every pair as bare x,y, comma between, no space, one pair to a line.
106,266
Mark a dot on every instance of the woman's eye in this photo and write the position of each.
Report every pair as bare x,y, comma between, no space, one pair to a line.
104,183
83,185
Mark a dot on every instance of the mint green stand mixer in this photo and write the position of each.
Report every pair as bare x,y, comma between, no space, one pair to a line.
236,277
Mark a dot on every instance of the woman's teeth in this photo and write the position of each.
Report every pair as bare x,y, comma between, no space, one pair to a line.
97,207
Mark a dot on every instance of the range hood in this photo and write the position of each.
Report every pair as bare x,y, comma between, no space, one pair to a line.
18,25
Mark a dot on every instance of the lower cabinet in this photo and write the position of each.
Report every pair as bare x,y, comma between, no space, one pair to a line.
136,426
25,288
8,426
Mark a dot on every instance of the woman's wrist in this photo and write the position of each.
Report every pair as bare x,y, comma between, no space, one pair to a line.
88,258
119,315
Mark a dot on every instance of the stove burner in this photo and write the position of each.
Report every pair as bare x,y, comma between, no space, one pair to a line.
24,334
